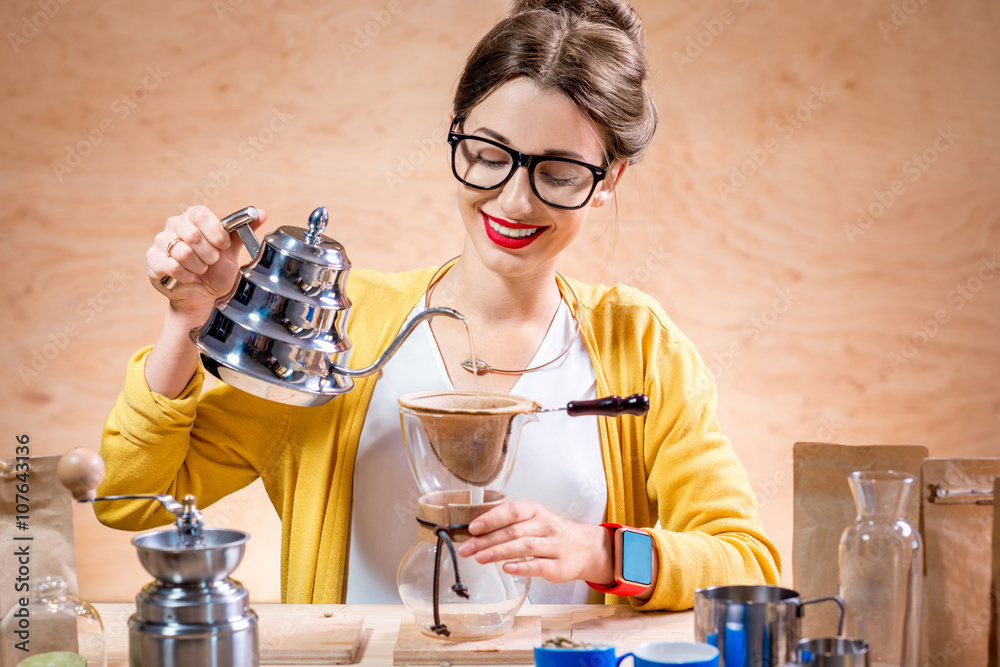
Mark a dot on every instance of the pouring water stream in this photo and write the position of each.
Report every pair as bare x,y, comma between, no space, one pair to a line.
476,492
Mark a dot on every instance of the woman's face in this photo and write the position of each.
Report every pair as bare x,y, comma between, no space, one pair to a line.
533,121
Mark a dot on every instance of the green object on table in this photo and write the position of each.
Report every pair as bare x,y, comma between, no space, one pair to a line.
54,659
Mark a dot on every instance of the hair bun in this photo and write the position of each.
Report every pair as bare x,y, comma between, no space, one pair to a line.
591,50
616,13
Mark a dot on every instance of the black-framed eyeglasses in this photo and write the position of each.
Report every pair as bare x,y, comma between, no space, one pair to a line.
485,164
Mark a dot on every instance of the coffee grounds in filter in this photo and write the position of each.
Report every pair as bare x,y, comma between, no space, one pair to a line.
469,435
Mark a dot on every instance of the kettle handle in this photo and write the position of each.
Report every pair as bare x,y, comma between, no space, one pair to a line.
833,598
394,345
237,222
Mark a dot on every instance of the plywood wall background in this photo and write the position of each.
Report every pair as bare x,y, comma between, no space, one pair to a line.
779,121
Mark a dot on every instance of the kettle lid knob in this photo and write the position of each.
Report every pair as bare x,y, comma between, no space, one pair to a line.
317,223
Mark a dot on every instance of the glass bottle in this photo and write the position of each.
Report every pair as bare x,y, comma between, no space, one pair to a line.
881,570
56,629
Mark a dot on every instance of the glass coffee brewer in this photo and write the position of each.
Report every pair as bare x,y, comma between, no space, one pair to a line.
461,448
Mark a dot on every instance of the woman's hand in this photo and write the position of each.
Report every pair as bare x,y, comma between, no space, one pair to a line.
203,258
559,550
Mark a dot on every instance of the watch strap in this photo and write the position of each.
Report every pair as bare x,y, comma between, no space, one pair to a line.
623,588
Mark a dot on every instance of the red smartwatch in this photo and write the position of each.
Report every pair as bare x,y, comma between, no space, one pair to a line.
633,556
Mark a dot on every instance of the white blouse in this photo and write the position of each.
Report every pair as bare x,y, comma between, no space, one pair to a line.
563,451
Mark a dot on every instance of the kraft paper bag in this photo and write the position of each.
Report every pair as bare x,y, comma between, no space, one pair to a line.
49,524
824,508
995,598
958,530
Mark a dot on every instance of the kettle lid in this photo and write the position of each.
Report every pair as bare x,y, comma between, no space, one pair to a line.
311,245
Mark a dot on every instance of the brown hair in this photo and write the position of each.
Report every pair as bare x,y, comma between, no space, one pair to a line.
592,50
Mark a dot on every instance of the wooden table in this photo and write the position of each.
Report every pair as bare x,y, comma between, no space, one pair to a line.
618,625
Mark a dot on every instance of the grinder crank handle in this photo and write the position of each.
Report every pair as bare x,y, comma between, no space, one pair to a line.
81,470
610,406
237,222
168,501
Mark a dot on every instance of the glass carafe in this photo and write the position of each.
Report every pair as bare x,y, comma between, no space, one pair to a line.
461,451
881,570
54,627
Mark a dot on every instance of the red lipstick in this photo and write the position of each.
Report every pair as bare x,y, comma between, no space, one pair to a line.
506,241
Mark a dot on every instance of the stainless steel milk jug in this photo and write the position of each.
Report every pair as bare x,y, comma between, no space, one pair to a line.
753,626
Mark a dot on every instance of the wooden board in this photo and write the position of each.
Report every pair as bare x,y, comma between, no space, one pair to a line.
289,634
382,625
516,647
310,639
626,628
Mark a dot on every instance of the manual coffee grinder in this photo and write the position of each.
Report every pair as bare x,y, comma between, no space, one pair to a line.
192,614
461,449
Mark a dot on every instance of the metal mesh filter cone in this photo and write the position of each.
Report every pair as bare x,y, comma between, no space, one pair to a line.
469,435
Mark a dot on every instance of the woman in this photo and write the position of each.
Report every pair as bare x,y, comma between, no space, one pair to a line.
548,114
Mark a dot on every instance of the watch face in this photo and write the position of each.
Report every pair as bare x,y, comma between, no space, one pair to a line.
637,557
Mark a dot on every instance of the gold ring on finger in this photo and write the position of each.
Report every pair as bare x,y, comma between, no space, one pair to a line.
170,246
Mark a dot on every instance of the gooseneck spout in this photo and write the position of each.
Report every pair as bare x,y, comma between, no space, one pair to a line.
397,341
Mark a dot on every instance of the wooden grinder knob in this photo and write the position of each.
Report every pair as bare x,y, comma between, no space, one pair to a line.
81,471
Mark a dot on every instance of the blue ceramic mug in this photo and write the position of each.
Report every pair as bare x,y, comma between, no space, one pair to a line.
674,654
594,656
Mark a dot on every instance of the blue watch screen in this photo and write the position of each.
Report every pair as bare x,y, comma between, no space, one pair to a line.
637,557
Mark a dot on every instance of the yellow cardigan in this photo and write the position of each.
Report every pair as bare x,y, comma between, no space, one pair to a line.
673,465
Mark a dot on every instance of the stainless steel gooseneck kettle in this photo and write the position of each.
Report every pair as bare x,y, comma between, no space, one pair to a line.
280,333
